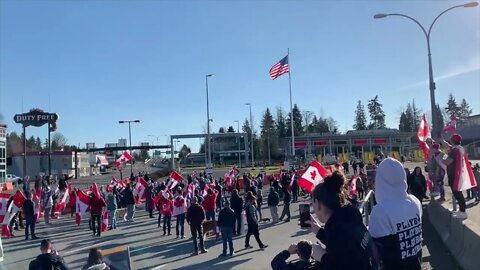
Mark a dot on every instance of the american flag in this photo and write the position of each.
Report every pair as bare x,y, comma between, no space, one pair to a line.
279,68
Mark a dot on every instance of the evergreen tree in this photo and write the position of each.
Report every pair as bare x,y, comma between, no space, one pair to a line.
332,125
31,142
416,114
281,123
221,130
38,144
14,143
267,135
360,117
230,129
453,110
297,122
409,119
403,126
438,117
464,110
377,115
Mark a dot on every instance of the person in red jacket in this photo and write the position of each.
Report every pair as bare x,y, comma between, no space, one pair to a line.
209,204
166,209
96,210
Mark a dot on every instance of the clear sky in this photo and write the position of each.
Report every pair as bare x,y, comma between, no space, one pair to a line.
97,62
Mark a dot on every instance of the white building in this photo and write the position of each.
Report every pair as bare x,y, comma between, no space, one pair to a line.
3,153
63,162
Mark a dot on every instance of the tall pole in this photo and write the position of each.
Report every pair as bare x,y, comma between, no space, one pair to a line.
131,153
435,128
251,134
208,123
49,151
238,143
291,105
25,152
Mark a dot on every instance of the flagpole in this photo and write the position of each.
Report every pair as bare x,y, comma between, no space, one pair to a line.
291,108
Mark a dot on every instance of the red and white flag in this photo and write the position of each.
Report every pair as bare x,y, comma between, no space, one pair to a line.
312,176
175,178
123,158
423,134
3,206
95,191
112,184
139,192
105,222
61,204
464,178
17,204
353,185
451,126
291,182
81,206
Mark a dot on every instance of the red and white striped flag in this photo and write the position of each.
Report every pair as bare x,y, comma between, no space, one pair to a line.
95,191
312,176
291,182
3,206
175,178
61,204
464,178
423,134
81,206
139,192
279,68
123,158
17,204
105,222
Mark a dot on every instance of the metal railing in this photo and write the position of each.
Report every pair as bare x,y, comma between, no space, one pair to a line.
366,206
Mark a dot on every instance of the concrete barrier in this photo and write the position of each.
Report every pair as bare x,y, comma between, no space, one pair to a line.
462,237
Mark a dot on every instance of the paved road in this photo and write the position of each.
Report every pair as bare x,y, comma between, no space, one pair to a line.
150,250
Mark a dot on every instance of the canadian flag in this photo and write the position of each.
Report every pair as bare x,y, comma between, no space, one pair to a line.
105,222
423,134
95,191
451,126
175,178
112,184
190,191
17,204
61,204
139,192
82,206
291,182
464,178
353,185
123,158
3,205
312,176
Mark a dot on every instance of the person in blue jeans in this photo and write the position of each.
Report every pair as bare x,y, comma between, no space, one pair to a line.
226,223
29,208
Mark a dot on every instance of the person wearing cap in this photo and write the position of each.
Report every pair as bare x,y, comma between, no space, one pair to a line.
456,155
436,171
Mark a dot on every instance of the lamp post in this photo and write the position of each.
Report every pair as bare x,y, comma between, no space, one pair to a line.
435,128
307,115
238,142
251,133
130,138
208,123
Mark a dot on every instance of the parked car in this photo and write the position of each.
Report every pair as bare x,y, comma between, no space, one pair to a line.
13,178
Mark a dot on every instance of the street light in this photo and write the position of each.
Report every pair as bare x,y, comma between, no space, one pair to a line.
208,122
130,138
435,128
251,133
238,142
307,115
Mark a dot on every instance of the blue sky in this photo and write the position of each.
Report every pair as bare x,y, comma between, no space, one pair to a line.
94,63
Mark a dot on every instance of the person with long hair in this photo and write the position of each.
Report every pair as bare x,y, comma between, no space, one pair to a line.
95,260
252,221
348,244
417,184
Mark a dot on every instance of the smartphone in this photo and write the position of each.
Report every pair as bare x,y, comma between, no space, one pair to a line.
304,210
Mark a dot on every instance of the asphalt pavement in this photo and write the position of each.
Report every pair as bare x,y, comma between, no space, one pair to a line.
150,250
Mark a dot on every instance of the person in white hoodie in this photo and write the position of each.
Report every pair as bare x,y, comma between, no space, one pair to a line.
396,221
179,210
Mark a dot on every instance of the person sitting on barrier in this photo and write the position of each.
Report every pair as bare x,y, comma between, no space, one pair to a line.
304,251
95,260
396,220
348,244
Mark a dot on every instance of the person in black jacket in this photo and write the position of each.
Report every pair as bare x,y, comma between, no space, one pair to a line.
130,203
49,259
348,245
29,208
237,205
226,222
273,201
304,251
196,217
417,184
286,205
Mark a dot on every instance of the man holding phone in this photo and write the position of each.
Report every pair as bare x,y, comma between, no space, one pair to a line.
304,251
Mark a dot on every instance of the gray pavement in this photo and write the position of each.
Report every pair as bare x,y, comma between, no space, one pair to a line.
150,250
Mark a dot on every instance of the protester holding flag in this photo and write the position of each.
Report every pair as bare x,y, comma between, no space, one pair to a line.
112,209
286,204
347,242
96,209
273,201
29,210
179,210
459,173
47,203
166,209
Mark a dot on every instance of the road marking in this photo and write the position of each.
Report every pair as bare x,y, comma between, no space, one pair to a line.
159,267
70,252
